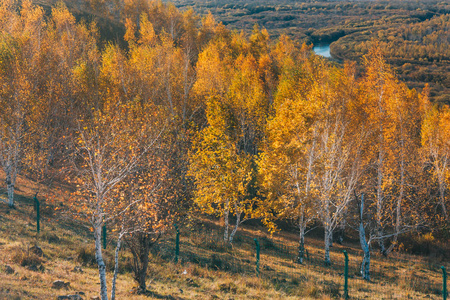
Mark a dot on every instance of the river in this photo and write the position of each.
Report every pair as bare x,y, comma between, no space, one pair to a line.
323,50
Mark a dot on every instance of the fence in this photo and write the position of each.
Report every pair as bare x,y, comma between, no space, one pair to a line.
276,262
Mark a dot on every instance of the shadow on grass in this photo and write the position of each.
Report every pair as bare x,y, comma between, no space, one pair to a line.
159,296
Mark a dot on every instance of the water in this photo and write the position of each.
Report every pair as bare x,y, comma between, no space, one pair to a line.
323,50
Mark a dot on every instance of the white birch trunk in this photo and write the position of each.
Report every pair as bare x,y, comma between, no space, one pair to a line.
380,174
440,167
442,198
238,221
328,233
301,244
225,217
100,263
11,170
365,265
116,267
380,200
398,210
10,190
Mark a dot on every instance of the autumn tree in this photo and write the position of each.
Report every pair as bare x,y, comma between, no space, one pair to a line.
223,157
286,164
149,197
435,141
146,206
164,74
22,105
393,119
338,157
113,135
390,201
223,177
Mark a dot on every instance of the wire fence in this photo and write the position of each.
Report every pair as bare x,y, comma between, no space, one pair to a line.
404,279
276,262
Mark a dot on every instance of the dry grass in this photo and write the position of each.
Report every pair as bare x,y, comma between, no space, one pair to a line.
208,268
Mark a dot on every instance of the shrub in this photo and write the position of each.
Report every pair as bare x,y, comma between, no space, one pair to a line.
216,262
331,288
51,238
424,244
27,258
312,290
228,287
86,256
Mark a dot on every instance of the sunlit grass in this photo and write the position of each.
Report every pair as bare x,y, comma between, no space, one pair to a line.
208,268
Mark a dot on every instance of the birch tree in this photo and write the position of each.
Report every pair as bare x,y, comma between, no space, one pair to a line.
393,119
21,106
223,157
114,134
146,207
338,162
435,141
286,166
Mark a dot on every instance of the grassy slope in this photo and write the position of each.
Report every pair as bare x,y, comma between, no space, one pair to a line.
62,241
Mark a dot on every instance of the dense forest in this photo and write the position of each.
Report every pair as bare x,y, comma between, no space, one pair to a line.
351,27
408,31
180,115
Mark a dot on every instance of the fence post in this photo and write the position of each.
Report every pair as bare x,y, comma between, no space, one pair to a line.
38,214
177,243
346,275
257,256
444,283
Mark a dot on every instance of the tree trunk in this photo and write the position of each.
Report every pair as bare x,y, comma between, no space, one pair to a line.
340,234
139,244
142,277
301,245
383,249
398,210
379,188
10,190
365,265
100,262
116,267
328,233
225,217
238,221
442,199
141,274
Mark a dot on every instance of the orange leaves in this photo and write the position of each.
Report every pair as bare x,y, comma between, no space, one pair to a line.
146,31
130,34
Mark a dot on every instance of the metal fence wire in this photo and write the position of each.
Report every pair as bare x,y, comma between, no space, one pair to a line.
277,263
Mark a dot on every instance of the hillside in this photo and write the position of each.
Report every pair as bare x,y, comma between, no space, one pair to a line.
164,156
207,269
